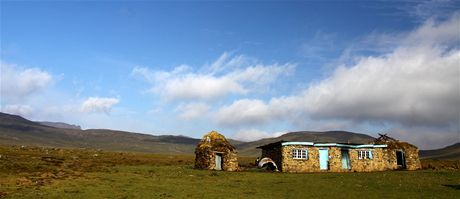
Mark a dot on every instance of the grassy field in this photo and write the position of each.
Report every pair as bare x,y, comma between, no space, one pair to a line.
58,173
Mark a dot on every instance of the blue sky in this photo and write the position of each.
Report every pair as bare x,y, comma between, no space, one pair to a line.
246,69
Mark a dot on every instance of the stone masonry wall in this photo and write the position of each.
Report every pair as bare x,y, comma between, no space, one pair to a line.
205,159
230,161
312,164
382,159
411,156
299,165
377,163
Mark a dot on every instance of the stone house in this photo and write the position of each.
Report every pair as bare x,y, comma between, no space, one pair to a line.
383,154
214,152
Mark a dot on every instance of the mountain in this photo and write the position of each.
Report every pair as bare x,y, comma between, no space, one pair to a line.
60,125
15,130
451,152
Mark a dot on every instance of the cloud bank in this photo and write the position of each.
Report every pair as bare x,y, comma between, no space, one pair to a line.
227,76
192,111
416,84
18,83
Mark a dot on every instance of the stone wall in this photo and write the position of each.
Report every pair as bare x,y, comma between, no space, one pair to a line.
312,164
377,163
411,154
230,161
382,158
214,143
206,159
299,165
412,158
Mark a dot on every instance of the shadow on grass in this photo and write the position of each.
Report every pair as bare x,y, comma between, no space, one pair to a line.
453,186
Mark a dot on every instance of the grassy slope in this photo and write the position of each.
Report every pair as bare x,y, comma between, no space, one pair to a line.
45,173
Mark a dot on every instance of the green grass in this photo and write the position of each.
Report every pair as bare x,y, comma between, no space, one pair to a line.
80,174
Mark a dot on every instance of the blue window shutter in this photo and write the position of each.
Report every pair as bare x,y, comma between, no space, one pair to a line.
306,154
370,154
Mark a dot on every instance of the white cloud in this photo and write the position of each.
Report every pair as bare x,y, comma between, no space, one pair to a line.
251,135
191,111
19,83
422,10
244,112
199,87
226,76
97,104
416,85
254,134
430,33
18,109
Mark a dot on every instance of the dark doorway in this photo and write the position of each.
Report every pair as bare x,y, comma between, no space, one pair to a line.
218,161
400,159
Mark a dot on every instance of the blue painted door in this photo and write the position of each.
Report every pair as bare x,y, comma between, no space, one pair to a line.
323,159
345,160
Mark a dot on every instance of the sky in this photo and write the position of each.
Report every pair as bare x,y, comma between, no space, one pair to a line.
248,69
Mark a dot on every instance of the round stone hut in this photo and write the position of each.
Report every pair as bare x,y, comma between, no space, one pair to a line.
400,155
214,152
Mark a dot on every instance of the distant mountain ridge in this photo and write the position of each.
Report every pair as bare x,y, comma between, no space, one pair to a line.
451,152
20,131
16,130
61,125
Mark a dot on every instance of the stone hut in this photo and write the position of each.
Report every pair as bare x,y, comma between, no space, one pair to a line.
342,157
401,155
214,152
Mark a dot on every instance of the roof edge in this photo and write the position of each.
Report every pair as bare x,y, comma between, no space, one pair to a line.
355,146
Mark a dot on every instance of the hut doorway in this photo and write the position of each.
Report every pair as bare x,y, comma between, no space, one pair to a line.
400,159
323,159
345,160
218,161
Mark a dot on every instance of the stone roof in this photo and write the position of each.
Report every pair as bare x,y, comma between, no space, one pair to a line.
214,140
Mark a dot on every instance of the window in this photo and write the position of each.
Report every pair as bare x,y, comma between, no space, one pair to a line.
299,154
364,154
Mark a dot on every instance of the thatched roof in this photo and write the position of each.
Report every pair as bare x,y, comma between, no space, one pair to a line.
214,140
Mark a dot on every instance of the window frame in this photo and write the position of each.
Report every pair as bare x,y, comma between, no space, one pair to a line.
365,154
299,154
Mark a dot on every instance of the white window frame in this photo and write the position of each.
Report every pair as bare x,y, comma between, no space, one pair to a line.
299,154
364,154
